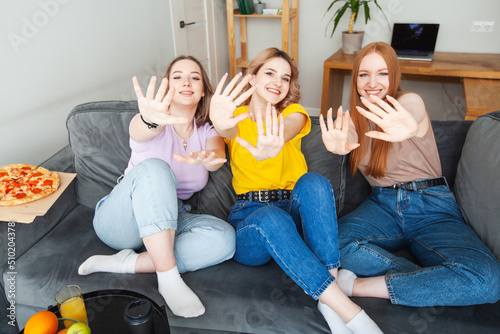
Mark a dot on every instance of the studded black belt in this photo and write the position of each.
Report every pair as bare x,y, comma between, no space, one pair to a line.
420,184
265,195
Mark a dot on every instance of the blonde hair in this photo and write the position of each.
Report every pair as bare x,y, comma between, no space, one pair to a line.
293,95
378,159
202,110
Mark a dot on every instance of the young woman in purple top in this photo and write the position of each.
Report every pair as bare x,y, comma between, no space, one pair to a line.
173,149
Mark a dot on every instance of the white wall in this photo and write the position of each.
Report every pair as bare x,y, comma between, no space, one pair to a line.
55,54
444,100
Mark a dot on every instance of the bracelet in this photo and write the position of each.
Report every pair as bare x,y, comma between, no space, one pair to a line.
150,125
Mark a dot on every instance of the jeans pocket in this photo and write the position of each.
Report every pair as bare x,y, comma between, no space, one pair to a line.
439,191
440,199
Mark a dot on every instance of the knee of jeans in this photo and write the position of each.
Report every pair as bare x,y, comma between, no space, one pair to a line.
344,242
271,219
346,236
481,280
313,178
224,237
160,168
155,164
347,247
487,280
314,182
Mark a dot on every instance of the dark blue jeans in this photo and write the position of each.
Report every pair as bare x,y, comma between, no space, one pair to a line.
300,234
455,267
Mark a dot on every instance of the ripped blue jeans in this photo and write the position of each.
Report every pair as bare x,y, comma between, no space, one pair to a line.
300,234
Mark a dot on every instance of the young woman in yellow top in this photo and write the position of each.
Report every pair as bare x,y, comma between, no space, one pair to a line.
282,212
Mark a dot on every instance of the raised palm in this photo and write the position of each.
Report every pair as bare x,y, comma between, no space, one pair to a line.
224,103
155,109
335,135
269,141
395,121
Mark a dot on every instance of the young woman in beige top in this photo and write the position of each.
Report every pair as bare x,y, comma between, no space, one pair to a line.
391,142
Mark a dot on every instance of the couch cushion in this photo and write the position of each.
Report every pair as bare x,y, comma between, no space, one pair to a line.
477,185
450,137
217,197
99,138
320,160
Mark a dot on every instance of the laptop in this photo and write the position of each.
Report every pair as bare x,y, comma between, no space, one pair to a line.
414,41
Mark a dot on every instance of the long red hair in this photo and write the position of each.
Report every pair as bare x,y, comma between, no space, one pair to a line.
378,159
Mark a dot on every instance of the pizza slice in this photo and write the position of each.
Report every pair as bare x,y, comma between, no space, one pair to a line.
17,171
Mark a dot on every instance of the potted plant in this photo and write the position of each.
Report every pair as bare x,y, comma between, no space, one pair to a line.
351,40
259,7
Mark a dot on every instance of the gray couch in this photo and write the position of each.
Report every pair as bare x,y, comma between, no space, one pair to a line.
238,299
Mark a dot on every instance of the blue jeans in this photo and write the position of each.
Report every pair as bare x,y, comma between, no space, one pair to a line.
145,202
455,268
300,234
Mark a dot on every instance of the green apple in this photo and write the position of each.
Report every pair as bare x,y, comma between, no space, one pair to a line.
79,328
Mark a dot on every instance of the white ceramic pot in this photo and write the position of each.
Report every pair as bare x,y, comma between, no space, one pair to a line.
259,8
351,43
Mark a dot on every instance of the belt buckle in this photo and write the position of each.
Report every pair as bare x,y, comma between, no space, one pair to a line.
260,197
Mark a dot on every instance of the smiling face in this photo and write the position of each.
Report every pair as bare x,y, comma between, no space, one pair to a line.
373,77
273,81
186,77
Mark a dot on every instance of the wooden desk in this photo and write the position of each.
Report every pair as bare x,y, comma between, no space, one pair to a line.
481,96
445,64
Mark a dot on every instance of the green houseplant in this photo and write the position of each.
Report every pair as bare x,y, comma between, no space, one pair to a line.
351,40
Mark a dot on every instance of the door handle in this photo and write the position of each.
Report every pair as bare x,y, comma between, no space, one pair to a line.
184,24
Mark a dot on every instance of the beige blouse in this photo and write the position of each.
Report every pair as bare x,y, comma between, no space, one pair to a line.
410,160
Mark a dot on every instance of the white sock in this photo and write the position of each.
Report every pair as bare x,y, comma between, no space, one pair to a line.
122,262
179,297
362,324
345,280
334,321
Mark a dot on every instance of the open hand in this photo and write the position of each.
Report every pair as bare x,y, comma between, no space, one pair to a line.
155,109
224,103
269,142
335,136
395,121
205,158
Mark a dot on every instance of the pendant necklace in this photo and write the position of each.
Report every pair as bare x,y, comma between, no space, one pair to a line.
185,144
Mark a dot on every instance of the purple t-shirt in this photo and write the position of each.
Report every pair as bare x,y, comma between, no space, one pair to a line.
190,178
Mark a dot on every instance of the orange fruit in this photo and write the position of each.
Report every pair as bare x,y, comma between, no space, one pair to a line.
43,322
63,331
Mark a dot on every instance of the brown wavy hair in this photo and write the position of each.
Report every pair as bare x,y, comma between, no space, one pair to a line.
293,95
378,159
202,111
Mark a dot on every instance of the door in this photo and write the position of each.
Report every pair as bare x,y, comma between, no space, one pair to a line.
195,33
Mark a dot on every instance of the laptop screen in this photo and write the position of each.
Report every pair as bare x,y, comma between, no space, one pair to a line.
411,37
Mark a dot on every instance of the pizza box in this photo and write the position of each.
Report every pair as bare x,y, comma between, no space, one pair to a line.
26,213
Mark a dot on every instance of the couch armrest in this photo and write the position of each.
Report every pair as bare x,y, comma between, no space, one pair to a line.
62,161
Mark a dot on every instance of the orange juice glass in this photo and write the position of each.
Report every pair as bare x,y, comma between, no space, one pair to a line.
71,305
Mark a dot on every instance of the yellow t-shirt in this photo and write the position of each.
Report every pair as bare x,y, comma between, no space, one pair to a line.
280,172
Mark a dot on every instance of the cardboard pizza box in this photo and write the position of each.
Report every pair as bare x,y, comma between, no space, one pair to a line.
26,213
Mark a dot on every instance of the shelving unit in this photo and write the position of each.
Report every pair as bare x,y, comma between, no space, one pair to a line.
289,32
